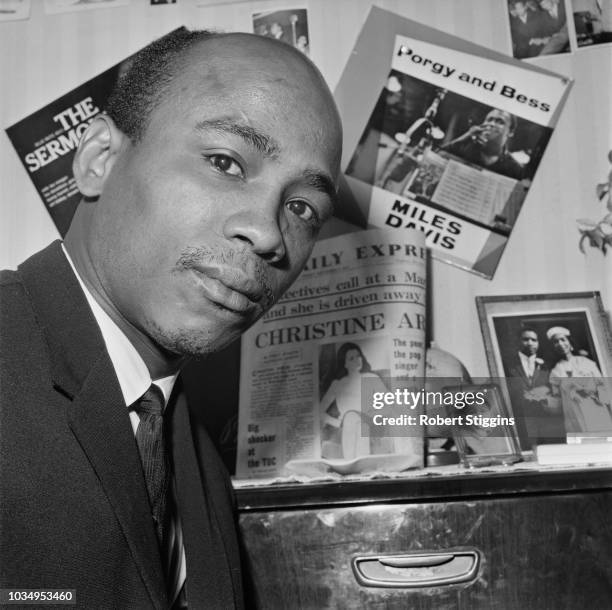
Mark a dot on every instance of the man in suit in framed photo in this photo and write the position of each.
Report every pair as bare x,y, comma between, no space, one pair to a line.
536,419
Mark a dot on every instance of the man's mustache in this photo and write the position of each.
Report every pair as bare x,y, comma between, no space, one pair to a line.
231,261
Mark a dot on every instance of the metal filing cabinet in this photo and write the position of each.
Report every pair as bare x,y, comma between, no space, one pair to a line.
538,539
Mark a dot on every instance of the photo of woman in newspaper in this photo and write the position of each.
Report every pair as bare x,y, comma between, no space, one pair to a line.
344,425
449,151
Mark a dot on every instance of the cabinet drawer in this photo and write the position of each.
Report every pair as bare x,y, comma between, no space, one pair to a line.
533,551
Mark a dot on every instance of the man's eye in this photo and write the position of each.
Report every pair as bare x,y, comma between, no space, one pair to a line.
302,209
225,165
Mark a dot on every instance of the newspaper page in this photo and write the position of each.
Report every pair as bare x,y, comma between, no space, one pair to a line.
352,325
452,139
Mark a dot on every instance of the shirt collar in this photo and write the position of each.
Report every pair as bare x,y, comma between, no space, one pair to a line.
528,363
132,373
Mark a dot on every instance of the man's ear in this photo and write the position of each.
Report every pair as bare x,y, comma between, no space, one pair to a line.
98,149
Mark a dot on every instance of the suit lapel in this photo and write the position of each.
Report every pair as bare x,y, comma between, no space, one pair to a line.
82,371
72,335
521,371
99,420
208,570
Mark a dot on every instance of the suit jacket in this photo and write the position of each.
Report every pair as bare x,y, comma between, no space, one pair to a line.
527,413
74,509
539,378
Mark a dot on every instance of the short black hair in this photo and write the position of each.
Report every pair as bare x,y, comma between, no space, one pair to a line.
145,77
345,348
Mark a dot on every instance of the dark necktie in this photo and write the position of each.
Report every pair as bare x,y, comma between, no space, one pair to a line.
154,457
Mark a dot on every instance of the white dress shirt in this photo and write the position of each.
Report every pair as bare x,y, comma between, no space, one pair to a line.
528,363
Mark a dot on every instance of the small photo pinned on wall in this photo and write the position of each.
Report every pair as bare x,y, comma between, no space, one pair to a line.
592,22
290,26
67,6
12,10
537,27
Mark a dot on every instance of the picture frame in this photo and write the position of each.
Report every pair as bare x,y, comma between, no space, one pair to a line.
545,407
483,427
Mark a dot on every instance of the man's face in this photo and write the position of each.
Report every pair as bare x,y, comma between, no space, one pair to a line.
207,220
529,343
498,127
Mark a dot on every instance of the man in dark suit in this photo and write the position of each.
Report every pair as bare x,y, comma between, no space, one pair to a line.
204,185
529,390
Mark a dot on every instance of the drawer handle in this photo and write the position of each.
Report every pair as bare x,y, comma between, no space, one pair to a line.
417,569
416,561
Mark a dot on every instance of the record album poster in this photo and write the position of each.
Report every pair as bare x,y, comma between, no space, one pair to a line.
447,137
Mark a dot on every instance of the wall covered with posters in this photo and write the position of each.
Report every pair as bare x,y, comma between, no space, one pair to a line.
49,48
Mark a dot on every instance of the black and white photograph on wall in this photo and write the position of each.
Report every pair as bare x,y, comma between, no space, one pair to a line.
592,22
13,10
289,25
67,6
342,369
554,351
538,27
423,141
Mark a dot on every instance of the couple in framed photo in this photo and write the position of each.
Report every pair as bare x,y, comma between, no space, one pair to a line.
554,352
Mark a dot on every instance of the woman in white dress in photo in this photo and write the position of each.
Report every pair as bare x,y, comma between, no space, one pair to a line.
579,383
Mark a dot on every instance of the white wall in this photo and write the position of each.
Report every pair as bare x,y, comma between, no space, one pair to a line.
47,55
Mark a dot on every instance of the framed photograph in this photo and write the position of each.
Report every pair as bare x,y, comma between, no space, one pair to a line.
483,428
553,356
